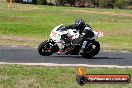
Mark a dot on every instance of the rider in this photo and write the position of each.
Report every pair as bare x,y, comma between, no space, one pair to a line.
84,29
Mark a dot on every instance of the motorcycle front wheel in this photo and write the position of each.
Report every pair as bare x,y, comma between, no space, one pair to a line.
44,49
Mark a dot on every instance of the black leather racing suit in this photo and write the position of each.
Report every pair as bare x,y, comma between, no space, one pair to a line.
85,32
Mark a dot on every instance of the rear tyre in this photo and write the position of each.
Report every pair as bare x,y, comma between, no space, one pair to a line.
91,50
44,49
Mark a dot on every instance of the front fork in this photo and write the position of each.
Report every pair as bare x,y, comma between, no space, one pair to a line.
51,43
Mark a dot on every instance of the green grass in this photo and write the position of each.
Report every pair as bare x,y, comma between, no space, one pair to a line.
17,76
34,22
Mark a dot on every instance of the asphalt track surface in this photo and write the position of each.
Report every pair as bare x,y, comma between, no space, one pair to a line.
30,55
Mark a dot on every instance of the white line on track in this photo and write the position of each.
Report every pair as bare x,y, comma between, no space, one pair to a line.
62,65
14,46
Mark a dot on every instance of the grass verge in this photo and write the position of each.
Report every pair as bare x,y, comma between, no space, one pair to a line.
17,76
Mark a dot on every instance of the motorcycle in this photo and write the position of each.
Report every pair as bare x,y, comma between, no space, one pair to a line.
90,45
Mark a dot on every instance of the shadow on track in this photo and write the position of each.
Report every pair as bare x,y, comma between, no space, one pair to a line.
78,56
105,58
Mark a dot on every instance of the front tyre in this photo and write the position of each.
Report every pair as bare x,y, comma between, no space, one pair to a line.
91,50
44,49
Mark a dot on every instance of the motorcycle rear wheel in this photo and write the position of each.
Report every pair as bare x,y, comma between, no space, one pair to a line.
92,50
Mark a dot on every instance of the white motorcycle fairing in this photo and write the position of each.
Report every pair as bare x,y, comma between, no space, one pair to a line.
58,31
